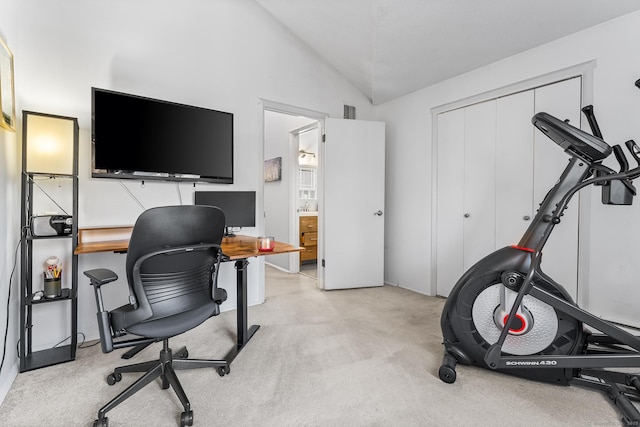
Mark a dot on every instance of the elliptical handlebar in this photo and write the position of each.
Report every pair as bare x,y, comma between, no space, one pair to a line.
617,187
633,149
621,158
617,150
591,118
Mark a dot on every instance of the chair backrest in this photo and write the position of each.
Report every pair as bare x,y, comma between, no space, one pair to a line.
166,281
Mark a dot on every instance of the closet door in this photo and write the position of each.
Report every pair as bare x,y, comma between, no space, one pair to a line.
514,167
508,168
450,200
560,255
466,191
479,182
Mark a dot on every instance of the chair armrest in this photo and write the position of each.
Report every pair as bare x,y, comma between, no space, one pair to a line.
101,276
97,278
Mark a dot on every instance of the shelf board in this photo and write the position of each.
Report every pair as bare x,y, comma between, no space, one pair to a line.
64,295
49,174
54,236
49,357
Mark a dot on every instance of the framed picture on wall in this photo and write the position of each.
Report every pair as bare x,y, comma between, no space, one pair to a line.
273,169
7,96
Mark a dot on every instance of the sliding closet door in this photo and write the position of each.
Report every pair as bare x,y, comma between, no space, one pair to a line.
479,172
466,191
508,168
450,198
514,167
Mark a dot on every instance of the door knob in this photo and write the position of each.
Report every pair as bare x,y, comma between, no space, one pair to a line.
526,217
379,213
467,215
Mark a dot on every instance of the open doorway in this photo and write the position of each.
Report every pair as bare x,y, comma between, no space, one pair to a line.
291,138
306,140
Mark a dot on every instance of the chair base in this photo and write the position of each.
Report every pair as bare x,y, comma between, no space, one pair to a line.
163,368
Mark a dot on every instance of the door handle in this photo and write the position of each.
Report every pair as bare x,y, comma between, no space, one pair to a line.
526,217
378,213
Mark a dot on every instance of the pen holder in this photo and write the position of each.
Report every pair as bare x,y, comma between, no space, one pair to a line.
52,287
266,243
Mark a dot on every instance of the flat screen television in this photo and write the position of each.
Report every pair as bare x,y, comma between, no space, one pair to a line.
143,138
239,207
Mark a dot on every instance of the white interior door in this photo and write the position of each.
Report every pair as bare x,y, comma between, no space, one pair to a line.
352,229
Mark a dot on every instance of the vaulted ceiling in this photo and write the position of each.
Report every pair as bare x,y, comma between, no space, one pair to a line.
389,48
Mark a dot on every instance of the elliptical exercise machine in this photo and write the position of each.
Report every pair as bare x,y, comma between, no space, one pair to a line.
506,314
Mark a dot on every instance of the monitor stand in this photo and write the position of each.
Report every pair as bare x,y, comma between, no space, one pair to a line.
228,232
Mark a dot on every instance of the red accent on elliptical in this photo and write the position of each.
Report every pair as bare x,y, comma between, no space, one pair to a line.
522,248
523,322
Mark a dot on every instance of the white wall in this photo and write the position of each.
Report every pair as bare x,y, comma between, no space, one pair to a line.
221,54
409,149
9,220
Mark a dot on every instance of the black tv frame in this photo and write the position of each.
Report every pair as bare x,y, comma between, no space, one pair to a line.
156,176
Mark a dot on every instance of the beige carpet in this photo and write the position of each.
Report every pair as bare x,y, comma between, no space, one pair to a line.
366,357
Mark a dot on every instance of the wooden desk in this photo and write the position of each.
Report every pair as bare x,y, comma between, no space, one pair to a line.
116,239
238,249
103,239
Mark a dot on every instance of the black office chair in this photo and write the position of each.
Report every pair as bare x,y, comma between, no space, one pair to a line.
172,269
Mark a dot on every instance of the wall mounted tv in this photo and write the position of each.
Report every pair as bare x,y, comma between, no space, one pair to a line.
135,137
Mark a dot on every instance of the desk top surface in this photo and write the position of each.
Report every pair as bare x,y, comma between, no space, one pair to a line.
116,239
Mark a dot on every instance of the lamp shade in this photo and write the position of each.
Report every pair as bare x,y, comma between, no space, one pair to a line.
50,143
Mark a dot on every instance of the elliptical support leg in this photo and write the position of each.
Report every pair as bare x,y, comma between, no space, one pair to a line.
630,415
447,371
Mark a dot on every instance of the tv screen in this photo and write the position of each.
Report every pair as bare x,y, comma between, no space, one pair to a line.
239,207
144,138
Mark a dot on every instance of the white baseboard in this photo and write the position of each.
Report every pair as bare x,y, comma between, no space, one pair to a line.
277,267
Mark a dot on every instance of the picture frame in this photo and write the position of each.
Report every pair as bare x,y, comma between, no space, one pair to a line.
7,91
273,169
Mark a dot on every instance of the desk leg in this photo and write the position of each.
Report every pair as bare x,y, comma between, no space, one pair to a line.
244,331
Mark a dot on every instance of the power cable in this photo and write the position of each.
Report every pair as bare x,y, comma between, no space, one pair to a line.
6,327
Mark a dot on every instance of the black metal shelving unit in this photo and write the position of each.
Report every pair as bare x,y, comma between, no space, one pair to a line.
29,359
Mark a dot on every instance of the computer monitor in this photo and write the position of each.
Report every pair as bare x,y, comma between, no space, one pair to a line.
239,207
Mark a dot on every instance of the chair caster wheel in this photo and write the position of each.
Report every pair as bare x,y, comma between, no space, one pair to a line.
114,378
447,374
101,422
224,370
186,419
185,355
